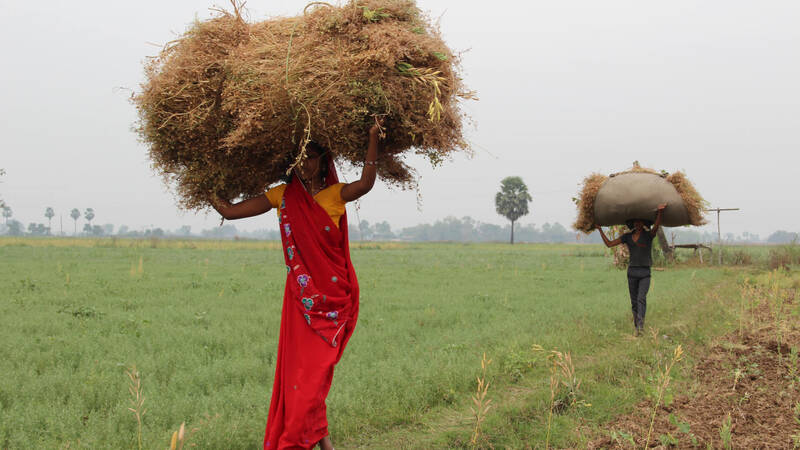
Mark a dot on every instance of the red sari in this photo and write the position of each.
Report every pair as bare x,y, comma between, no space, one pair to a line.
320,309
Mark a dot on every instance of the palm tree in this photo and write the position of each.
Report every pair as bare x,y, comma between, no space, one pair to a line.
49,213
75,214
2,203
512,200
89,215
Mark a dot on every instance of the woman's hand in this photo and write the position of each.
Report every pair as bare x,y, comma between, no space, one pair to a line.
218,202
220,205
377,130
661,207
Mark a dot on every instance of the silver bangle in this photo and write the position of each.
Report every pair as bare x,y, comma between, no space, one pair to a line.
370,163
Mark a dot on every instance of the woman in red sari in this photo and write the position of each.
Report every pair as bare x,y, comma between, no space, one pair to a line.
320,303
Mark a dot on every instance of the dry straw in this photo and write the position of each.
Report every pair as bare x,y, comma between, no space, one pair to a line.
695,204
137,400
229,106
482,403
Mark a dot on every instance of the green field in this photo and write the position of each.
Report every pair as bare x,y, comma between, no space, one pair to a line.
200,323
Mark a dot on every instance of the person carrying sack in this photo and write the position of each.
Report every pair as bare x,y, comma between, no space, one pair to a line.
639,240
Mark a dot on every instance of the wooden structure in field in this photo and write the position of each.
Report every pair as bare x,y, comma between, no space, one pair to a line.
719,233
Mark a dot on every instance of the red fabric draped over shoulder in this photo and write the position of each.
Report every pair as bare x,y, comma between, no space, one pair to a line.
320,309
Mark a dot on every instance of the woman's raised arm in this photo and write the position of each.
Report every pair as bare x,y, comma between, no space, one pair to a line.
356,189
246,208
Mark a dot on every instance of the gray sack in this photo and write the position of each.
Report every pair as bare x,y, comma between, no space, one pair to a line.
636,195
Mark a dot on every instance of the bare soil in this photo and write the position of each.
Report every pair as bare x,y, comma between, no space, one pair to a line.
751,377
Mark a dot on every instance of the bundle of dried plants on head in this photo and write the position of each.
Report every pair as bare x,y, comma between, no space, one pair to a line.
694,202
229,107
591,186
585,202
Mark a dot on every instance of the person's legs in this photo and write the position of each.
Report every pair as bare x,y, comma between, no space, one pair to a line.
325,443
633,288
303,376
638,285
641,299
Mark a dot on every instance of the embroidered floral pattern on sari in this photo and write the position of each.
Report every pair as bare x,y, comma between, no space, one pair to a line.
302,280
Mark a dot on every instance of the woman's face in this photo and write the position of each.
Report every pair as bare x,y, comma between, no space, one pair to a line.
638,225
310,166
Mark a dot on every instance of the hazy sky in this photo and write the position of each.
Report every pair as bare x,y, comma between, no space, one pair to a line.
566,88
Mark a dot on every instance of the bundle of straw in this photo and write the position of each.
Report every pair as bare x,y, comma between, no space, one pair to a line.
692,205
229,107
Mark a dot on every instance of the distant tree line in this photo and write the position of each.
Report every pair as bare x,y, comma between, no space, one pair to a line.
464,229
16,228
467,229
694,236
511,202
783,237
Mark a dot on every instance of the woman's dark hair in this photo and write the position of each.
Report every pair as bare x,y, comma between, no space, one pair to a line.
313,148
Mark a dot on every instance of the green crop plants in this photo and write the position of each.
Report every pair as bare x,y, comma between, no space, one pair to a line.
621,437
793,367
796,417
725,432
683,428
209,361
562,375
668,440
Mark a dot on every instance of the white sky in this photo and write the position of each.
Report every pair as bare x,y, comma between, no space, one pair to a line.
566,88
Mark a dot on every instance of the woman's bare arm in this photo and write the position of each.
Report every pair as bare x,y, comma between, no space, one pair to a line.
356,189
246,208
608,243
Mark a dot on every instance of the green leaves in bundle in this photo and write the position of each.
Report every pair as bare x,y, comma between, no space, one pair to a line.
374,15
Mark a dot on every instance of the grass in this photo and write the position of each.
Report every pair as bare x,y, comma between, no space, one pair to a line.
199,320
663,383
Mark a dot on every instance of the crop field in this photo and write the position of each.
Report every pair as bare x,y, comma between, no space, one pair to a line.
192,327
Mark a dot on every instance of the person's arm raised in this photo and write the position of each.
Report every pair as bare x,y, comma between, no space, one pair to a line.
246,208
657,223
356,189
608,243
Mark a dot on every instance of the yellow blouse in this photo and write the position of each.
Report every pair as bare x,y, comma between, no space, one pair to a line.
330,199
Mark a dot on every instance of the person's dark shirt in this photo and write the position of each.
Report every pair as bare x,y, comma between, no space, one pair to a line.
641,250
